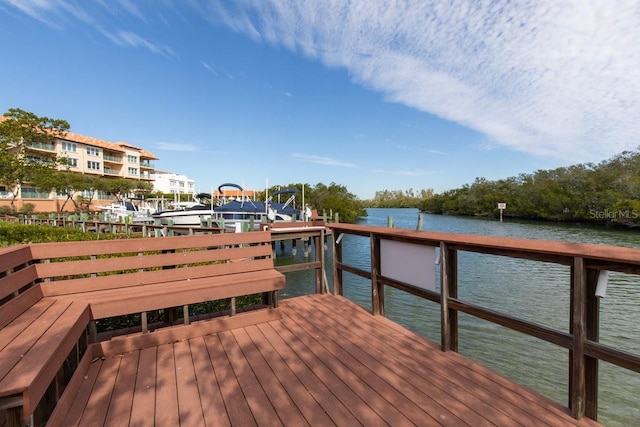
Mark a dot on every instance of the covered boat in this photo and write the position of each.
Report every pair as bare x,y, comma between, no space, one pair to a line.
235,213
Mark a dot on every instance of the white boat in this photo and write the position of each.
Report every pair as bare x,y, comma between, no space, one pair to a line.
127,211
186,213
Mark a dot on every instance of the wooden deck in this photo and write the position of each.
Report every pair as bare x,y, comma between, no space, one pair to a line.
326,362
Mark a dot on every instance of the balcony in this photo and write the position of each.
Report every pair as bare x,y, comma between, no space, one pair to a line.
42,146
147,164
112,159
111,171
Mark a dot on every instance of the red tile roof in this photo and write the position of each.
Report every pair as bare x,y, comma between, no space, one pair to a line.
87,140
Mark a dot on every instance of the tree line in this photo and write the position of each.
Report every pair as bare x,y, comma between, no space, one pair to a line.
607,192
326,199
398,198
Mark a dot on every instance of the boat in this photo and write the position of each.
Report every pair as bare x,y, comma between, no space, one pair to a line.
237,214
187,213
232,212
127,211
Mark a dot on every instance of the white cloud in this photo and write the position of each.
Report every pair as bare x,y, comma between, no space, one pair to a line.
555,79
50,12
173,146
321,160
209,68
432,151
131,39
131,9
56,13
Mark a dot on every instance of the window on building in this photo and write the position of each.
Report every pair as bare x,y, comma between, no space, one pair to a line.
69,147
72,163
93,151
102,195
132,159
133,171
91,165
33,193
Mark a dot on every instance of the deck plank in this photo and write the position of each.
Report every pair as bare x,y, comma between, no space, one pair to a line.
532,408
429,396
119,413
310,408
313,385
427,379
97,406
255,395
325,362
464,373
83,394
392,406
144,396
167,411
332,380
189,405
234,400
286,409
213,407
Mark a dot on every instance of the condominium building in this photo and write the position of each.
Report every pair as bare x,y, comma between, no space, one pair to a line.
172,183
84,155
94,156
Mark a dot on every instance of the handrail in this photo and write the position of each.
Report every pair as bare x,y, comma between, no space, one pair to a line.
584,260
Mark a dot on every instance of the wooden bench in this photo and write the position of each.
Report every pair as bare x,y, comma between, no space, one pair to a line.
52,293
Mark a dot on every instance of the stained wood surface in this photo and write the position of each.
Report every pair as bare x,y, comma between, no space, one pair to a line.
134,299
74,249
326,362
34,346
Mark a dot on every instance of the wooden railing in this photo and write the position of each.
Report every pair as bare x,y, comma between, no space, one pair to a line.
584,260
313,232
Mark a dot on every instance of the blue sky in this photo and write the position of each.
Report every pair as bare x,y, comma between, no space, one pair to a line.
372,95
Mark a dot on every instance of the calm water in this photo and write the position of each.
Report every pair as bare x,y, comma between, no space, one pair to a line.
534,291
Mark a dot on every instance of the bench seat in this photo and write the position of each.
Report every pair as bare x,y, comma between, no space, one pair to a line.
155,296
51,294
35,345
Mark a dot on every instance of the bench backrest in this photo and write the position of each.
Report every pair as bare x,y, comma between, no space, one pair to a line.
17,283
89,266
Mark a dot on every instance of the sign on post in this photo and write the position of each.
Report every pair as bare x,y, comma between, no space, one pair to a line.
502,206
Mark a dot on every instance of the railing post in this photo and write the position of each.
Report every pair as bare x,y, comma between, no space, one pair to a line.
448,289
319,244
577,371
321,274
377,289
337,259
593,334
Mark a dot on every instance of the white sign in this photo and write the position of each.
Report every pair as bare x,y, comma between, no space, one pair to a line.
502,206
409,263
